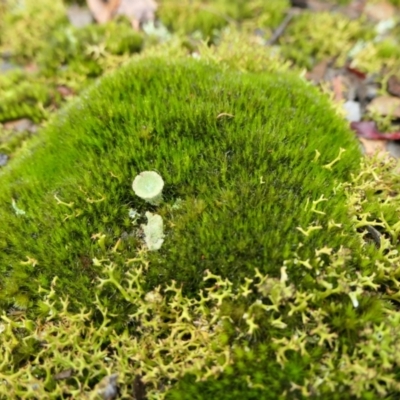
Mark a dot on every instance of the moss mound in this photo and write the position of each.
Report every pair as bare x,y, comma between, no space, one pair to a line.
235,149
274,293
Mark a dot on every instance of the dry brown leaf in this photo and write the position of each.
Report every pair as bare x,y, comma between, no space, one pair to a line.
380,11
102,11
352,10
355,8
338,88
385,105
20,125
319,5
372,147
65,91
317,74
394,85
137,11
31,68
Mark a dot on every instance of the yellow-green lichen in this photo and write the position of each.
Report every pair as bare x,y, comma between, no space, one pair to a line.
339,338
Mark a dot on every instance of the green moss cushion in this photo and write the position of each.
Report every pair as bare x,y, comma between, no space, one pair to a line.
239,151
253,166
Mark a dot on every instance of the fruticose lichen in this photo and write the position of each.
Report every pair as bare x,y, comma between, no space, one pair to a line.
213,346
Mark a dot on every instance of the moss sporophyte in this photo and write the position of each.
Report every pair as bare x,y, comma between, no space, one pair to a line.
260,288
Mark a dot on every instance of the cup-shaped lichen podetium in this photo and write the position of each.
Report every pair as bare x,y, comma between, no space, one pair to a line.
148,185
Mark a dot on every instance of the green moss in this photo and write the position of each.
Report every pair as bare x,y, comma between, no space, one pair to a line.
63,58
24,95
313,37
310,309
189,17
246,379
239,50
388,49
209,17
11,141
278,290
24,32
83,51
236,167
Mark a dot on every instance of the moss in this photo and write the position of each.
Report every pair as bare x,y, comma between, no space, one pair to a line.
310,309
277,289
254,375
24,95
313,37
189,17
23,33
224,168
63,58
282,341
11,141
240,50
209,17
82,50
79,354
120,38
373,56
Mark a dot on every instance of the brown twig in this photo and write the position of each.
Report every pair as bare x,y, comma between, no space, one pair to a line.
282,27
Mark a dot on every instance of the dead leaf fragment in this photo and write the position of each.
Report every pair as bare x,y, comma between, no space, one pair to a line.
359,74
338,88
317,74
393,86
31,68
381,11
137,11
64,91
385,105
369,130
319,5
103,11
354,9
63,374
20,125
372,147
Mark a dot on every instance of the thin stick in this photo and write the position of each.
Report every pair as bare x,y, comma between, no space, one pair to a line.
282,27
